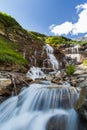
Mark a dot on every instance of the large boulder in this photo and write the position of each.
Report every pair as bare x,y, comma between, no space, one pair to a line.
56,123
79,72
82,84
81,107
4,82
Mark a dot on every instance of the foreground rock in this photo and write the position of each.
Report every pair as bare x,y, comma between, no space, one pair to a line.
4,82
82,84
81,107
11,84
83,115
57,123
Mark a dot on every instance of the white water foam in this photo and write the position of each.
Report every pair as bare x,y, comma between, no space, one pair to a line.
35,73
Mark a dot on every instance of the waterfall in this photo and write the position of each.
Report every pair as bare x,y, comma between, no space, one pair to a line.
35,73
73,53
51,59
37,106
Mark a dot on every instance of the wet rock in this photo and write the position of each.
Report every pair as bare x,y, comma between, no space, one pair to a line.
82,84
65,78
79,72
58,74
11,82
83,116
83,111
80,80
47,70
82,76
81,107
56,80
46,82
73,83
49,77
27,79
82,98
57,123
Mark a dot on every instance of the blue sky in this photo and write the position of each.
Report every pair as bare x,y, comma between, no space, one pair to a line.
52,17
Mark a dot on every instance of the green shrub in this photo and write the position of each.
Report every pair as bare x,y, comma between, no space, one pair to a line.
70,69
57,40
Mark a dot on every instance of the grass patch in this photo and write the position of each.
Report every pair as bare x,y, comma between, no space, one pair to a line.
8,55
37,36
8,21
85,62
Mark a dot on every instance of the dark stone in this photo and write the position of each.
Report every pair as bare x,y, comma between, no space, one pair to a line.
57,123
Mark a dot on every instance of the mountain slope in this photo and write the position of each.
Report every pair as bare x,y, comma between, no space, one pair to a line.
18,40
25,47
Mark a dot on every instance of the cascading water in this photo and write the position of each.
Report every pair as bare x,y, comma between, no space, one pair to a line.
35,73
73,53
51,59
36,106
39,106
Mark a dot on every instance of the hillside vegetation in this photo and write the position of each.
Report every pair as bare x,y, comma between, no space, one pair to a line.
15,42
38,36
52,40
58,40
8,54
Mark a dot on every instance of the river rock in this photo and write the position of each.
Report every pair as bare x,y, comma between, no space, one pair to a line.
82,76
58,74
56,123
80,80
47,70
83,111
82,84
46,82
81,107
5,82
49,77
79,72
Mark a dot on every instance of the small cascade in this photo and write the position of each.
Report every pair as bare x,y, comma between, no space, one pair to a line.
37,108
35,73
51,59
73,53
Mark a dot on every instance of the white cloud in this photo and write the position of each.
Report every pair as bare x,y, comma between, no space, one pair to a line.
74,28
51,26
64,28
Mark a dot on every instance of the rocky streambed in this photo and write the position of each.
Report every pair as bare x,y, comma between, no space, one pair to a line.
11,84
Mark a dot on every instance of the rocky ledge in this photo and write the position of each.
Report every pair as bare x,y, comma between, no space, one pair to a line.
11,83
